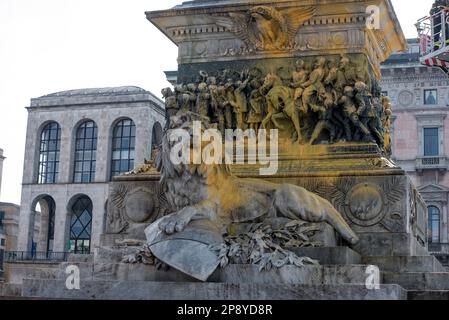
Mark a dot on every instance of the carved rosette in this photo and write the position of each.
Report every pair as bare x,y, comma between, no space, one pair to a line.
132,204
365,204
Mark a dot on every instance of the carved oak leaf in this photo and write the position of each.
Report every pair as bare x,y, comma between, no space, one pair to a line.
265,28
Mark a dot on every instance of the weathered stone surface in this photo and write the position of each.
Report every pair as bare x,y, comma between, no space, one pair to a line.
330,255
308,275
10,290
406,263
435,295
419,280
16,272
141,290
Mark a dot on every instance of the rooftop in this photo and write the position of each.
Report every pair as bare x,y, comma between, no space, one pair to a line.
97,91
98,96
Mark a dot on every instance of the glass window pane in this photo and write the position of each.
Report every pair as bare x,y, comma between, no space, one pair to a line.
86,146
49,153
431,142
80,230
123,146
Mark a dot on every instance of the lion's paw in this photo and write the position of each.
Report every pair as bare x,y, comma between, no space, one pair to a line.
175,223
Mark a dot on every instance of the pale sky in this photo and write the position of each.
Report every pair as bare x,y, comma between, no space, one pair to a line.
48,46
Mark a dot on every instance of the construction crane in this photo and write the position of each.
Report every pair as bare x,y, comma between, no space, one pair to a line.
433,33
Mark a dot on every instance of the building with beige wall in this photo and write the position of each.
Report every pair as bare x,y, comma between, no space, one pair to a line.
420,132
9,217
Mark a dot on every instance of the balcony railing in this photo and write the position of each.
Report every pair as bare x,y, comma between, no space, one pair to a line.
24,256
431,163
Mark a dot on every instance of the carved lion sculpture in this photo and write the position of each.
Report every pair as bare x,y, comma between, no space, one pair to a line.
208,198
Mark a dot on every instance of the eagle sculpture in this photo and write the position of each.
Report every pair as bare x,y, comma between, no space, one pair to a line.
265,28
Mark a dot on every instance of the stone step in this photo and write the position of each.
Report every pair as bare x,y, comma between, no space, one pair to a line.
10,290
406,263
144,290
86,269
235,274
80,258
441,295
421,281
330,255
325,255
111,254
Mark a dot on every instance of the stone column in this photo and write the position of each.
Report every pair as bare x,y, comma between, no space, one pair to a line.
103,147
98,218
444,227
61,227
65,158
24,222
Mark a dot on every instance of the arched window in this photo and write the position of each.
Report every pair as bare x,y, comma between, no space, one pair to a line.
50,146
81,226
156,138
42,229
85,152
434,224
123,147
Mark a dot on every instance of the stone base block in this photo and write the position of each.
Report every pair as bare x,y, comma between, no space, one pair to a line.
330,255
235,274
419,280
406,264
10,290
141,290
429,295
16,272
377,244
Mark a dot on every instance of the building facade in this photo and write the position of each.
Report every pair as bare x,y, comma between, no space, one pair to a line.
77,141
9,216
420,133
2,158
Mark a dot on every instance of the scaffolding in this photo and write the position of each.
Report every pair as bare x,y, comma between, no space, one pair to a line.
434,39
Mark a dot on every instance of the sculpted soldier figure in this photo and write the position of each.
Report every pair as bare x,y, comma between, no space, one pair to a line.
257,103
350,111
171,105
367,111
185,96
281,105
240,104
314,85
223,110
203,100
299,78
386,123
325,113
230,101
346,75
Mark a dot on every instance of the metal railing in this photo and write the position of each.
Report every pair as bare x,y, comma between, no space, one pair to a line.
24,256
433,31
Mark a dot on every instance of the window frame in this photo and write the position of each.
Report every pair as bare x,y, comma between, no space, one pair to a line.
431,234
426,154
79,174
46,151
436,97
81,245
2,218
117,153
